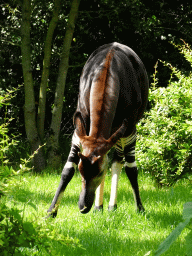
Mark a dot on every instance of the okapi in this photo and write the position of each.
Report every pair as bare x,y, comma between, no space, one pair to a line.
112,98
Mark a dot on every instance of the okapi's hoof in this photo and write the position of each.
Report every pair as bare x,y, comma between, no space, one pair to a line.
98,208
141,209
112,208
51,215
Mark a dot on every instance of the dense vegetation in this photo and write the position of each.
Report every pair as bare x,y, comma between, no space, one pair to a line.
15,231
145,26
165,135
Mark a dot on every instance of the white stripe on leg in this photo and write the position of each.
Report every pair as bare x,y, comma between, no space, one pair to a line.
75,139
116,170
100,189
69,165
130,165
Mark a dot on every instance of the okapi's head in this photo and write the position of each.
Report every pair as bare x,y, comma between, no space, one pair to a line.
91,160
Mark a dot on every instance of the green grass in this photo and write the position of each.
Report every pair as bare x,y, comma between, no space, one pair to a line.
123,232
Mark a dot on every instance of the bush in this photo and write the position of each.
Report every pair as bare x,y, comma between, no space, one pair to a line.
165,135
5,141
14,231
18,235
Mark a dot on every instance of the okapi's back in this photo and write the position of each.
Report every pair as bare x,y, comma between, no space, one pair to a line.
113,86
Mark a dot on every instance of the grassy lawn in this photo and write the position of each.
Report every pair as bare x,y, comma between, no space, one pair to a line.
123,232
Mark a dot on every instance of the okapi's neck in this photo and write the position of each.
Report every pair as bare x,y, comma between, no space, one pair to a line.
103,101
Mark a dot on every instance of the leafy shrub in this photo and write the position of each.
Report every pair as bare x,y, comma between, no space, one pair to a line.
5,141
165,140
12,145
17,234
14,231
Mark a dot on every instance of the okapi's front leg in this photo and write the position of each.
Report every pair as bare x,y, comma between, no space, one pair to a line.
100,188
66,176
99,197
132,172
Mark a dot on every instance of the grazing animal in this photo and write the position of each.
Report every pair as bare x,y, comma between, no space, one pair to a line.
112,98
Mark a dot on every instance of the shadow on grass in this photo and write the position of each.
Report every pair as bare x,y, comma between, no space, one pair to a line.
24,195
109,242
96,245
39,194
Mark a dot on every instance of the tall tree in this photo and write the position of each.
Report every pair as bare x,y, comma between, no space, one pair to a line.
53,144
29,109
35,130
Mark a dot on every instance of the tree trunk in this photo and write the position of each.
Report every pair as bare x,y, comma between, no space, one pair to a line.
54,158
45,72
29,109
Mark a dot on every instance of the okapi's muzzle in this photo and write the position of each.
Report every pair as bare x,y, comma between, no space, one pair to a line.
86,200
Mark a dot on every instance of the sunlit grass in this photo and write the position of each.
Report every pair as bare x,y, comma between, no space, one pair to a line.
123,232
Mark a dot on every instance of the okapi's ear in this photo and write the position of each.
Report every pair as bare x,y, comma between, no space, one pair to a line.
79,124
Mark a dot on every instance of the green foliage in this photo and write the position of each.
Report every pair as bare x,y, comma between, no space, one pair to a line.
165,143
187,216
7,143
148,33
16,233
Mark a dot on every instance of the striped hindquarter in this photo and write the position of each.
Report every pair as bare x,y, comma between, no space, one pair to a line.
124,149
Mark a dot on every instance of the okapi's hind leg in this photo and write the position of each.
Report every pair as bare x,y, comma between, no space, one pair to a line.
117,164
116,170
132,172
